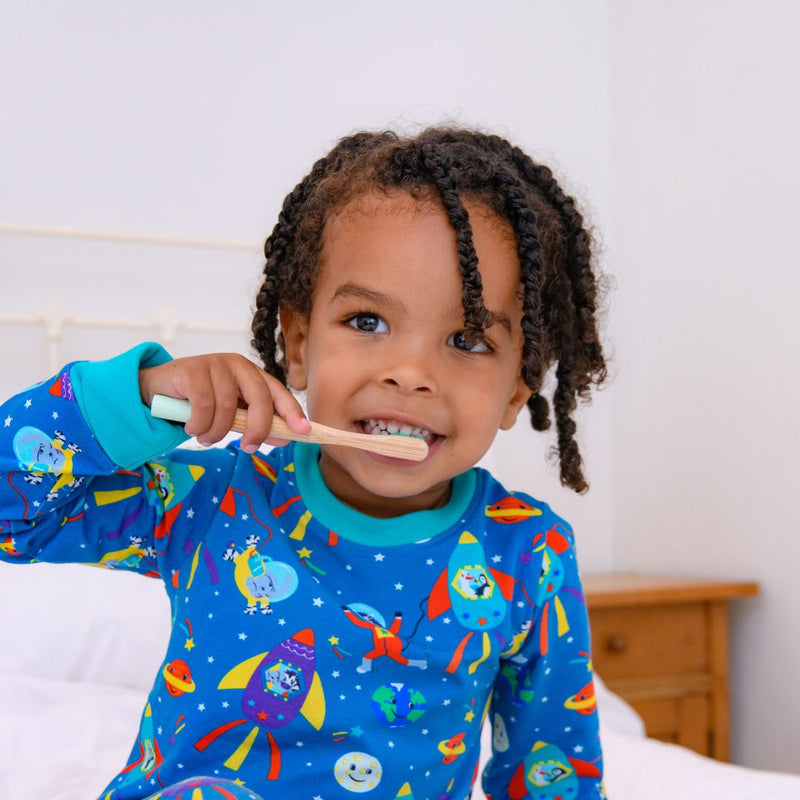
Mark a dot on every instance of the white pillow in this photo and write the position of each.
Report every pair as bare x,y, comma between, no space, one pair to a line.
80,623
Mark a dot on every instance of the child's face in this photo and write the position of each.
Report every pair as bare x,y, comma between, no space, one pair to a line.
384,343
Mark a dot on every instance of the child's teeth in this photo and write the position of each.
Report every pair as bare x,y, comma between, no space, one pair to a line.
379,427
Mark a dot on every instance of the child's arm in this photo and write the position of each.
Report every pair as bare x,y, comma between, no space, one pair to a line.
81,473
545,733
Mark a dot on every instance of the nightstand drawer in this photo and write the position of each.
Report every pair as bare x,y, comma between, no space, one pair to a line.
650,641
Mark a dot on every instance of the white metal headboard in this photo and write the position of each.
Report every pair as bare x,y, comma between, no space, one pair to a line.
54,317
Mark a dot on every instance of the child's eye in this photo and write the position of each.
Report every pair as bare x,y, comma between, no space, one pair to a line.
460,342
368,323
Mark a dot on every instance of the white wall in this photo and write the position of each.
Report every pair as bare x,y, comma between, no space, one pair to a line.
706,202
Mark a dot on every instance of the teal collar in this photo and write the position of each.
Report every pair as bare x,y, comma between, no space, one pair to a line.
357,527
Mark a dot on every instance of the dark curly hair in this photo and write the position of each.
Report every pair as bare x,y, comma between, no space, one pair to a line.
559,285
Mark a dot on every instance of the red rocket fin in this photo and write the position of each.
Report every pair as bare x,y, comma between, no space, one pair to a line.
505,582
439,598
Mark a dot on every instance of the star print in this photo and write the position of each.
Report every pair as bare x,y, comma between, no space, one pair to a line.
335,673
447,620
318,601
446,702
391,744
398,587
201,707
334,640
55,415
190,513
189,644
245,517
304,552
429,638
225,704
497,559
342,697
577,749
211,659
349,566
469,716
215,500
429,561
379,556
357,731
242,636
8,421
281,621
27,404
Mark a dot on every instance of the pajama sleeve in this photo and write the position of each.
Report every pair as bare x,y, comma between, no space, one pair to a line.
82,477
545,738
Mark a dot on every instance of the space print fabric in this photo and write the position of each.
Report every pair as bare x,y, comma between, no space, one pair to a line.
316,653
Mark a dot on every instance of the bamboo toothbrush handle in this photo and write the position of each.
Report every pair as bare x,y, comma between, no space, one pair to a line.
405,447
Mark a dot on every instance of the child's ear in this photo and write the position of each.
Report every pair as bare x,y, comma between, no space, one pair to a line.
294,327
519,397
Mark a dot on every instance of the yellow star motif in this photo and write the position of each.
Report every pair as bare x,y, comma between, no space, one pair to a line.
469,716
304,552
239,782
189,644
334,640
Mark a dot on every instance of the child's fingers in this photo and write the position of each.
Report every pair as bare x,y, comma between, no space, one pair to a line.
263,395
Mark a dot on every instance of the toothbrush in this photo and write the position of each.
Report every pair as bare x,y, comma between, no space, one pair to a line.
396,446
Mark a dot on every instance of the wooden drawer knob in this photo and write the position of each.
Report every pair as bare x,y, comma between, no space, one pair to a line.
617,643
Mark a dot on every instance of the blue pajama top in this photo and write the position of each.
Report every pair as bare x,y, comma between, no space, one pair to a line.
315,652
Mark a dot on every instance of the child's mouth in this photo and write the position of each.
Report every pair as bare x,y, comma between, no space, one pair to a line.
388,427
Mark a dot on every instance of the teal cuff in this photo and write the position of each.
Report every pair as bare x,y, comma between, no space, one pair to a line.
109,398
377,531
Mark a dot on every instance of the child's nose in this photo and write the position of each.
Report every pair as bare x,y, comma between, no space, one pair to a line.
410,371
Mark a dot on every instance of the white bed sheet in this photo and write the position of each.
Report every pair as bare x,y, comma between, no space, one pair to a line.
61,740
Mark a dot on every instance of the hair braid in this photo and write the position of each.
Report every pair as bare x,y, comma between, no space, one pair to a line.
475,314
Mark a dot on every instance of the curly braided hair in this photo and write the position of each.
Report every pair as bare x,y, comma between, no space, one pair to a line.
559,284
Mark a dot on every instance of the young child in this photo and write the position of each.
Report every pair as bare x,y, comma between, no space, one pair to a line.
344,622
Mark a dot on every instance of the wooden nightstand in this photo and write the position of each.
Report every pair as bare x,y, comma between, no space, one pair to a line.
662,644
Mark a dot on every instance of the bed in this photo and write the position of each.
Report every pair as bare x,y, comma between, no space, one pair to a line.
73,687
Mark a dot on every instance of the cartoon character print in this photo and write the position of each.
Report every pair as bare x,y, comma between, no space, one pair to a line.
129,557
149,762
477,594
386,641
552,544
398,704
261,580
358,772
277,686
39,454
546,773
168,485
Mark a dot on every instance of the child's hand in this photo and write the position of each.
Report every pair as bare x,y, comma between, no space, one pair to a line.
216,385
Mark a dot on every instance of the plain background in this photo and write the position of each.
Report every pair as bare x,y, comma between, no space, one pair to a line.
674,123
